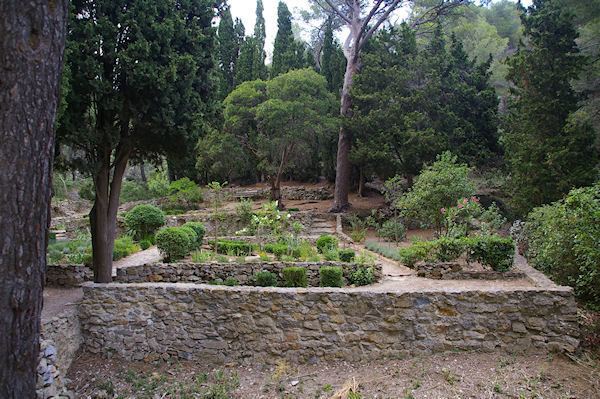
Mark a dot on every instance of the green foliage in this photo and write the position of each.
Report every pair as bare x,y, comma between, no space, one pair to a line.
346,255
383,249
144,220
237,248
173,243
390,228
416,252
307,251
324,243
71,251
447,249
331,276
365,258
87,191
134,191
280,250
494,251
294,277
363,275
199,230
185,191
243,209
228,47
145,244
264,279
330,254
231,282
438,186
124,246
158,184
549,151
192,237
562,241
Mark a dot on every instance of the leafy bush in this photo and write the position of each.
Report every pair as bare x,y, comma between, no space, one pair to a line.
294,277
158,183
363,275
192,236
358,235
173,243
124,246
563,241
186,189
280,250
331,276
331,254
231,282
264,279
134,191
438,186
346,255
144,220
417,252
307,251
447,249
388,230
326,242
72,251
145,243
200,231
365,258
244,210
494,251
237,248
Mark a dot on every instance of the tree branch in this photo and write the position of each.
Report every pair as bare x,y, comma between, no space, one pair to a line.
338,12
380,20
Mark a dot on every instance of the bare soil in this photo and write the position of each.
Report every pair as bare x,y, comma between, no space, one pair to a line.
447,375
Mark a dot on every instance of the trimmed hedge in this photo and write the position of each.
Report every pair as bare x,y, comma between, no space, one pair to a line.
144,220
346,255
237,247
200,231
264,279
294,277
173,243
280,250
331,276
325,243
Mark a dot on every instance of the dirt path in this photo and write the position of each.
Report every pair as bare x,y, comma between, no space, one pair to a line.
149,255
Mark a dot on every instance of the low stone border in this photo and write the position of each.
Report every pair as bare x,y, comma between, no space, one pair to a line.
152,321
454,271
242,272
67,275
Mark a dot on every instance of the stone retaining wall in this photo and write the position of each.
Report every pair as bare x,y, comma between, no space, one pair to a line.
67,275
59,341
242,272
151,321
454,271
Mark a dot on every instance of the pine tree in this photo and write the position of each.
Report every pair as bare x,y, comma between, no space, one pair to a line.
259,70
547,152
283,41
227,52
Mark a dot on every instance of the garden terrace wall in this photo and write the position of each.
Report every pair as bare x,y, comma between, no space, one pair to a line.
453,271
242,272
151,321
67,275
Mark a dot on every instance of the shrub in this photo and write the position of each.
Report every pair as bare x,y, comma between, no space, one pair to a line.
199,230
244,210
447,249
326,242
438,186
185,189
264,279
124,246
363,275
134,191
388,230
494,251
563,241
346,255
192,236
158,183
294,277
358,235
417,252
331,276
280,250
231,282
87,191
307,251
144,220
145,244
331,254
237,248
173,243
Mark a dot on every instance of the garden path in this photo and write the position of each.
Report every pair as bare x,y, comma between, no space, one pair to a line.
149,255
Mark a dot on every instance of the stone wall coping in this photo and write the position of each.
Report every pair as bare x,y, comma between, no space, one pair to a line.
308,290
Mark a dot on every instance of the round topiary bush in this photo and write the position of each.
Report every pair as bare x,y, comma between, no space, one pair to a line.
192,237
200,231
173,243
325,243
143,220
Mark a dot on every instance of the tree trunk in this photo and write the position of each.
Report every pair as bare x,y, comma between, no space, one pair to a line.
32,41
361,183
276,192
143,173
103,216
342,170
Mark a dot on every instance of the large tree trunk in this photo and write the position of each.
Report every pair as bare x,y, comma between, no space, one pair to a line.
342,170
32,41
103,216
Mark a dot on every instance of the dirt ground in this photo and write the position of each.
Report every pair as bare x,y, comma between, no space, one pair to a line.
447,375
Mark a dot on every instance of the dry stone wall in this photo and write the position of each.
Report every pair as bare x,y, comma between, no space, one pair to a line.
150,321
242,272
67,275
454,271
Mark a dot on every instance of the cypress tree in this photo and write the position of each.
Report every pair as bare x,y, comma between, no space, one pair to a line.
259,70
227,52
283,41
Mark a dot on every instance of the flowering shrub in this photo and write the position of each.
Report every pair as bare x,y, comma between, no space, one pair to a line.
467,215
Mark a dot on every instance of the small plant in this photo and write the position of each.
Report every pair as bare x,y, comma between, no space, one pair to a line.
307,251
203,256
222,259
124,246
326,242
244,210
264,279
365,258
363,275
392,229
231,282
418,251
359,235
331,255
145,244
144,220
448,249
294,277
346,255
173,243
185,190
331,276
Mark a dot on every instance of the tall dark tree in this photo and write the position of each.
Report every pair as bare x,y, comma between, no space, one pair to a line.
333,62
244,71
284,40
228,48
548,152
362,20
141,86
32,41
259,69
